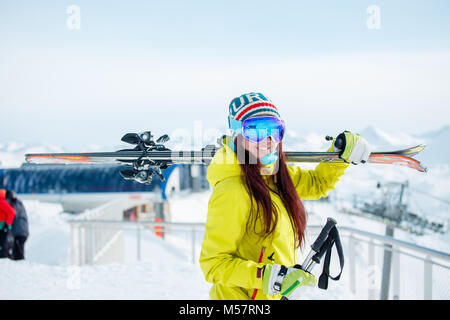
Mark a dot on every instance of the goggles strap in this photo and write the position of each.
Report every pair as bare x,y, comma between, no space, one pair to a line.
234,125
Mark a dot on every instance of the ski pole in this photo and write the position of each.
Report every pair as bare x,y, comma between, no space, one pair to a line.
316,251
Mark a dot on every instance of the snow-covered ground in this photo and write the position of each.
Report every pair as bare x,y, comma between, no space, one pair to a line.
165,270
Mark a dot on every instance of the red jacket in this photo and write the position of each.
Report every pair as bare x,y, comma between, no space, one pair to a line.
7,212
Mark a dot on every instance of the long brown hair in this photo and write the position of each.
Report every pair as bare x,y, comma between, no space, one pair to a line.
260,191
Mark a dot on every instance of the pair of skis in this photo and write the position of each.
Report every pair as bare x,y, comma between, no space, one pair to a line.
150,157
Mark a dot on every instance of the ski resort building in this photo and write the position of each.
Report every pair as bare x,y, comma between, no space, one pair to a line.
80,187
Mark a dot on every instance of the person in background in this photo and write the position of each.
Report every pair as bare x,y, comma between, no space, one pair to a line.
7,214
19,228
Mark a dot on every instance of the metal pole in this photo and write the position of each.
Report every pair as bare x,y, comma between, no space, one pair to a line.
72,244
428,279
91,245
159,215
193,245
81,245
351,250
372,267
138,238
387,259
396,274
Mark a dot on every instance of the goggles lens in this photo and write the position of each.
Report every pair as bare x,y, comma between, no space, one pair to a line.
259,128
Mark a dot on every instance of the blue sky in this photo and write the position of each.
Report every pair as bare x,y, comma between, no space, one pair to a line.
162,65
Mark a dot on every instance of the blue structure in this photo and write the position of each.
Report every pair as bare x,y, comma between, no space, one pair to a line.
58,179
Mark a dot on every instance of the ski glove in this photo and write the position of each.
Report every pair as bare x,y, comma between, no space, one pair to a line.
353,149
283,280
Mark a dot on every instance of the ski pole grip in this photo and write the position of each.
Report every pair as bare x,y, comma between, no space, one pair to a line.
323,234
318,256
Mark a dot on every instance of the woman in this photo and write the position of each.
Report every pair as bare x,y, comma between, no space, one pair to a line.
256,219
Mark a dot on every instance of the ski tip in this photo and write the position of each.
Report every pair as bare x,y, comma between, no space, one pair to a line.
421,146
417,148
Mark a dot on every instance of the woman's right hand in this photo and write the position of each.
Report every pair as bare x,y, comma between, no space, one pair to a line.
279,279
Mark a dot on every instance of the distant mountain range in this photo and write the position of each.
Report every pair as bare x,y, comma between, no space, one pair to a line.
12,154
437,151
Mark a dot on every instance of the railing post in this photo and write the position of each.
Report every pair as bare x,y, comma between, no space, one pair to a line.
387,262
372,268
91,244
193,244
351,250
396,274
72,243
80,246
138,240
428,279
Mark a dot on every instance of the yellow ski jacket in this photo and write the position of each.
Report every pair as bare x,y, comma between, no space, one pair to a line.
233,254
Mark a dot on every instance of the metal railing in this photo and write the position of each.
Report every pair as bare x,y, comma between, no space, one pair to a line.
359,247
91,245
98,226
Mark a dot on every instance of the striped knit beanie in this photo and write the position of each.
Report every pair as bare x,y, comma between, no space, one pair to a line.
251,104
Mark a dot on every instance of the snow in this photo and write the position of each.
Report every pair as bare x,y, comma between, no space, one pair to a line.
137,280
189,207
164,272
48,242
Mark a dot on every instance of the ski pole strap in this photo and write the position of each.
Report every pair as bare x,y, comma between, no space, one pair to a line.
332,240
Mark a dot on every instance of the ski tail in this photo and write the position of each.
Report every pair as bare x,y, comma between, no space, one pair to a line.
398,160
87,158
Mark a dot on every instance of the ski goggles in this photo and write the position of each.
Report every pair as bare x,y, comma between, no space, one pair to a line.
259,128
